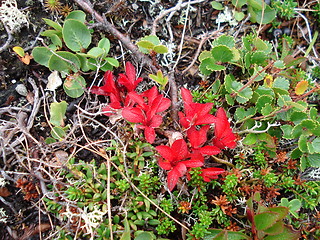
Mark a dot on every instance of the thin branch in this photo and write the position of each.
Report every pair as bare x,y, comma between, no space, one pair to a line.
6,44
168,11
126,41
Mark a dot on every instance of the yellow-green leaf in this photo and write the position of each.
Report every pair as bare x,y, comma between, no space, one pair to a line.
301,87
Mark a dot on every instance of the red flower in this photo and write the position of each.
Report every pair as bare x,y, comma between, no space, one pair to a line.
198,137
224,136
195,113
211,173
177,159
149,103
118,91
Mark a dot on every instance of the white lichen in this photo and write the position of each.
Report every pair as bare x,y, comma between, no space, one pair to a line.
11,16
3,216
2,182
226,17
92,219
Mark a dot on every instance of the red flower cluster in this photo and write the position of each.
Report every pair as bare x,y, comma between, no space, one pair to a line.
177,158
145,108
141,108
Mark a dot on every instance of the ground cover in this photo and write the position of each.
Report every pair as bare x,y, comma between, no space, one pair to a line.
159,119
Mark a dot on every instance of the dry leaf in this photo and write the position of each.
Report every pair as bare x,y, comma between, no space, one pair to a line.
301,87
54,81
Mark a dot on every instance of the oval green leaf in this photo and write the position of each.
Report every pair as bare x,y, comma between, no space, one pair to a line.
76,35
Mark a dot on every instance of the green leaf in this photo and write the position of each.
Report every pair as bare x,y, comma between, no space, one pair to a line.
267,109
57,113
58,133
42,55
266,16
250,139
161,49
104,43
76,35
204,54
216,67
146,44
262,101
245,95
316,144
217,5
286,234
56,40
126,235
74,86
151,38
229,99
204,64
159,78
282,211
314,160
242,114
222,53
291,61
224,40
53,24
217,234
113,62
265,220
145,236
50,140
275,229
238,15
257,4
281,83
297,117
239,3
295,154
260,44
94,52
279,64
57,62
302,143
287,131
77,15
259,58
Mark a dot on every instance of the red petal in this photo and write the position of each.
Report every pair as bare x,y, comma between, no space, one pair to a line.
133,114
165,152
174,175
149,134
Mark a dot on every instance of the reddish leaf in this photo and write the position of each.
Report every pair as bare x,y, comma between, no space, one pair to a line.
165,164
224,136
197,138
211,173
155,121
186,95
179,149
133,114
166,152
149,134
209,150
174,175
129,79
